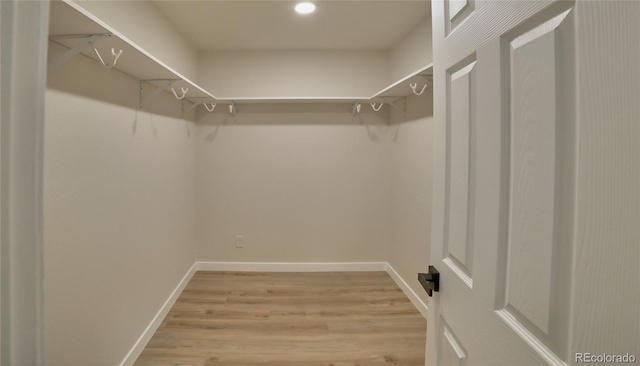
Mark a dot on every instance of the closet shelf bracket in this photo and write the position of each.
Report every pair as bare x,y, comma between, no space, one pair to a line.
233,110
429,82
355,109
376,109
197,103
89,41
165,84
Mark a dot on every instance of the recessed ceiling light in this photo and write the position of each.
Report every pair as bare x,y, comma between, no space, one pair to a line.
305,8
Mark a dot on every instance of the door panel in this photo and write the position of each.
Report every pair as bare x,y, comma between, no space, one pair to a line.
533,140
456,12
541,167
461,94
450,351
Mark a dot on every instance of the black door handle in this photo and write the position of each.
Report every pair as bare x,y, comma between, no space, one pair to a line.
430,281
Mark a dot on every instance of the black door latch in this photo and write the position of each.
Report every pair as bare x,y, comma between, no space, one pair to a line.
430,281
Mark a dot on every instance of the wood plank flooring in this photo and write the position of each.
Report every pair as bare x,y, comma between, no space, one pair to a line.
286,319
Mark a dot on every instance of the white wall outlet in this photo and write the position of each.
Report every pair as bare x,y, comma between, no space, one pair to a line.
239,241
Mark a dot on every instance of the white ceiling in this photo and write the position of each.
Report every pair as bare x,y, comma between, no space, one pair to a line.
213,25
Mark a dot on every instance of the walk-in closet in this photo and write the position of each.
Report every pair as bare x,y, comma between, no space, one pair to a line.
230,136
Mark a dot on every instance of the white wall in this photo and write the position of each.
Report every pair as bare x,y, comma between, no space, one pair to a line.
301,183
142,23
119,211
294,74
313,74
411,174
412,53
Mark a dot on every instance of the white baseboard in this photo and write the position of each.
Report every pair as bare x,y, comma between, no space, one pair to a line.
413,297
292,267
133,354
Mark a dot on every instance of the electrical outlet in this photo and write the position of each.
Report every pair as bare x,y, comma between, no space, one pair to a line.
239,241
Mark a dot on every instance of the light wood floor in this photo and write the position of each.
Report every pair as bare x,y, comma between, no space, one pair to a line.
286,319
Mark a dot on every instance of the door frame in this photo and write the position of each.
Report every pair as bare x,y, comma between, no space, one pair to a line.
24,45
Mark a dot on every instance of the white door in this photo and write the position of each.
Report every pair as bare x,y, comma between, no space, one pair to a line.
536,182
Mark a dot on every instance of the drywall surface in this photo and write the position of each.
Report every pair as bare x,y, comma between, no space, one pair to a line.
119,211
293,74
413,53
411,175
300,183
142,22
